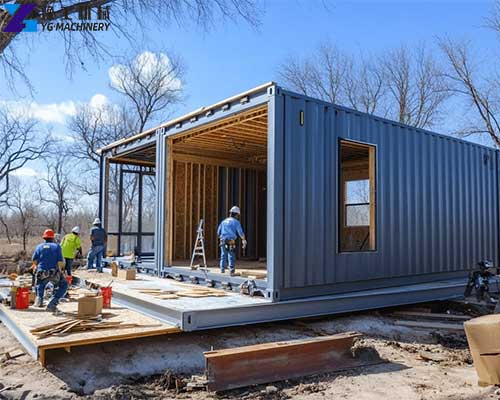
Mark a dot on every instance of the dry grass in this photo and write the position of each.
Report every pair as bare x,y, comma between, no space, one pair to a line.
15,249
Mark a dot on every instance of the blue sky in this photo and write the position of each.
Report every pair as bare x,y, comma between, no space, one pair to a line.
233,57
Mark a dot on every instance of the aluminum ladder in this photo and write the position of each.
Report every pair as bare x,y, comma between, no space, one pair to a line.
199,247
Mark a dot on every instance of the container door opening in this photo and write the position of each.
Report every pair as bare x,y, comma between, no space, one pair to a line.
214,168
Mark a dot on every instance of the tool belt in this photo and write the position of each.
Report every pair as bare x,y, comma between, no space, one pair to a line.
52,274
229,244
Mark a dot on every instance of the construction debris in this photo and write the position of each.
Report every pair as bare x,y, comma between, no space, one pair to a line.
73,325
193,291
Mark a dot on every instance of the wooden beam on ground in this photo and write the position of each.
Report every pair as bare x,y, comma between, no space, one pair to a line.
270,362
435,316
431,325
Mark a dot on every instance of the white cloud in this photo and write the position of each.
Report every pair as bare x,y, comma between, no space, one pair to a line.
48,113
98,101
147,63
25,172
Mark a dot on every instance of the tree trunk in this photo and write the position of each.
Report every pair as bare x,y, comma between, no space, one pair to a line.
7,230
60,212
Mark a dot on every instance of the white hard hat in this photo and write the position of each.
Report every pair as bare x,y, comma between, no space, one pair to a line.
235,209
97,221
76,229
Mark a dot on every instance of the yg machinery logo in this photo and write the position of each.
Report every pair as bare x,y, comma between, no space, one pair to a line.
18,23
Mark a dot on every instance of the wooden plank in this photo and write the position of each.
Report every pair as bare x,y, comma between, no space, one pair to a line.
431,325
270,362
425,315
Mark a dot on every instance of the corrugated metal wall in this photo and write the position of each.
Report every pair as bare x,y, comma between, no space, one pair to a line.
436,200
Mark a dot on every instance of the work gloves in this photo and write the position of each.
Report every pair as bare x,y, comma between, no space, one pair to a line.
244,243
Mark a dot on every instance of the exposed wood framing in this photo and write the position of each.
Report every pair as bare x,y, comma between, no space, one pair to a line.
169,204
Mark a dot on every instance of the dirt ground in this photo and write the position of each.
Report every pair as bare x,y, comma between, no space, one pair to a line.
147,368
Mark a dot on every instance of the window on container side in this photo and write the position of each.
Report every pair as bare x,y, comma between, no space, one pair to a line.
357,227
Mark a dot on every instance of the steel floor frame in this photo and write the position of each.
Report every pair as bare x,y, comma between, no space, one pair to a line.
201,319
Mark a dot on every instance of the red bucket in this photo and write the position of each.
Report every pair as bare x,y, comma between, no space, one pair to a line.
69,279
22,298
107,293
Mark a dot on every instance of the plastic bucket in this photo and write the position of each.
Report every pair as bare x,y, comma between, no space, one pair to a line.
22,298
107,293
69,279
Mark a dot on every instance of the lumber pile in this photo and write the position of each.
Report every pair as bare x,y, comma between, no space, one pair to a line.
193,291
76,325
252,274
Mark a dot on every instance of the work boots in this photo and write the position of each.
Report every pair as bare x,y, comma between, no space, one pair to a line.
39,302
54,310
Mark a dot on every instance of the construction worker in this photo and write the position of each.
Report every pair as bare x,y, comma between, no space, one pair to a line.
228,231
71,246
47,264
98,239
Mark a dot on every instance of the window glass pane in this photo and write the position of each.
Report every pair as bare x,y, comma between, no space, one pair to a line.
113,197
148,203
147,244
358,215
358,191
130,202
128,245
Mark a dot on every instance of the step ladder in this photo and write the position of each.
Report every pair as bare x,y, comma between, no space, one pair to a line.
199,247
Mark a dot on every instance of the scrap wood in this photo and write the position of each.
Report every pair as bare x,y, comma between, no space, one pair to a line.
429,315
431,325
81,325
11,354
428,356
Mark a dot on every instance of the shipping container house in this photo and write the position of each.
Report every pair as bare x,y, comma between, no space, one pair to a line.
333,200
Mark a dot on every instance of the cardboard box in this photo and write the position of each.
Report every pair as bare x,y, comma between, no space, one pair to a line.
89,306
483,336
114,269
127,274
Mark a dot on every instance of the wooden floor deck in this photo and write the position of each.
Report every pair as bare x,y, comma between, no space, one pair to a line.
23,321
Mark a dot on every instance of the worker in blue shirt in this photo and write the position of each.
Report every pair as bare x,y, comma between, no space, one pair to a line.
228,231
47,264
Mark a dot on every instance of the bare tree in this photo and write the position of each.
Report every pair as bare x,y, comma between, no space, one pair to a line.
151,83
365,88
336,77
94,127
319,75
124,18
5,223
58,186
406,85
19,144
23,205
416,84
480,94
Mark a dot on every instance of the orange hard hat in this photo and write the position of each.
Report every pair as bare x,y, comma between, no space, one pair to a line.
48,234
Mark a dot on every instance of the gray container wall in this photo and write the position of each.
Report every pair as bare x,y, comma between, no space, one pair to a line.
436,211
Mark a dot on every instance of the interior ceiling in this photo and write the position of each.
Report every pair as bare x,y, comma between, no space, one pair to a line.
353,152
242,137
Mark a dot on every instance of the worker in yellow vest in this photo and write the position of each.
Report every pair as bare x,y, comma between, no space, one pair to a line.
71,246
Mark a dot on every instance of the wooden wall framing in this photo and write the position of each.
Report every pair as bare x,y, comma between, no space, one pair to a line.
206,191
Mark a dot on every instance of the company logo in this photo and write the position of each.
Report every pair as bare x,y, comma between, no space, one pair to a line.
18,23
